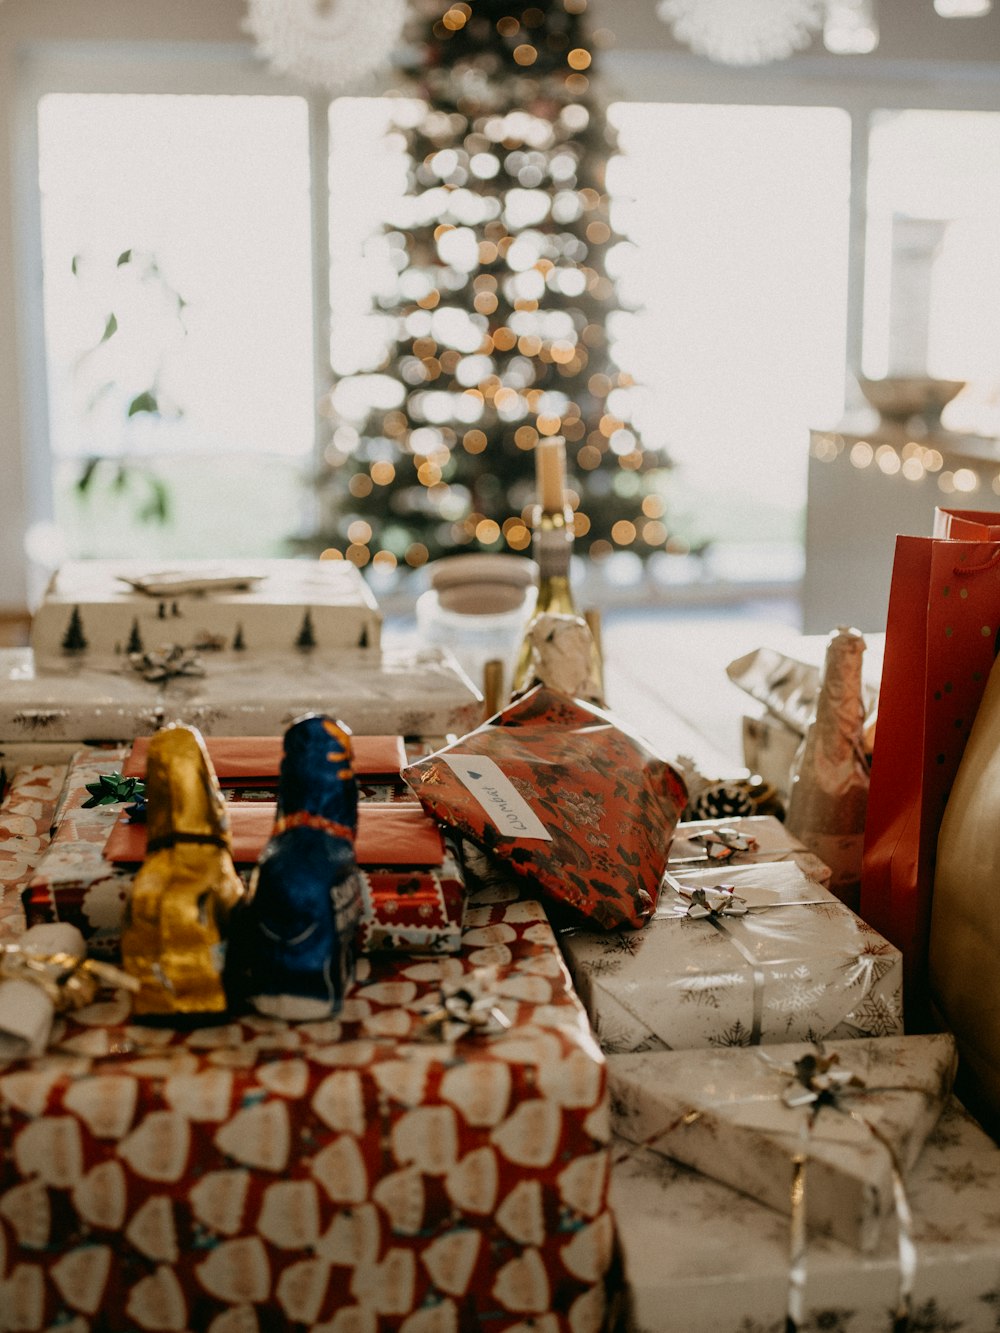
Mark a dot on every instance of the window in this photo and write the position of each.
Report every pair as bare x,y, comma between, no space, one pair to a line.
737,269
178,324
932,281
747,202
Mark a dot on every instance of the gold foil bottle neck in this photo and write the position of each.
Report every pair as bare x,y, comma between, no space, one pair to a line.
182,791
173,937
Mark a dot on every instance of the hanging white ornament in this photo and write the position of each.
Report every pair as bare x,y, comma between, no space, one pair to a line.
334,44
743,32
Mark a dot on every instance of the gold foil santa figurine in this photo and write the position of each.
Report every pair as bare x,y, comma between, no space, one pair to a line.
173,941
829,794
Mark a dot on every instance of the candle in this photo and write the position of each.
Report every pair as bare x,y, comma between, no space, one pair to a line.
550,474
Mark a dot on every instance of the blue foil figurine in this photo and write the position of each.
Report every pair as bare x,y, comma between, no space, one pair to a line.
291,949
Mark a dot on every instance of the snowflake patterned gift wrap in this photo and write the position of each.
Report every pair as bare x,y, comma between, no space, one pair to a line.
797,966
720,1263
414,1165
856,1109
420,692
694,846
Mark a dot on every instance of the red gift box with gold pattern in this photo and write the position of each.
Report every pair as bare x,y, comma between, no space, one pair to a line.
565,797
338,1175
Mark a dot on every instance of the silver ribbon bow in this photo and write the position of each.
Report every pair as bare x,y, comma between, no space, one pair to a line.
818,1080
467,1007
718,900
158,665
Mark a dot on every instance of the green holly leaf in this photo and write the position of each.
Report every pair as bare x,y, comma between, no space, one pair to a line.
124,258
143,402
110,328
157,507
74,265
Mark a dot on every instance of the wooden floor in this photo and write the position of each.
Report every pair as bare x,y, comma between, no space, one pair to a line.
666,675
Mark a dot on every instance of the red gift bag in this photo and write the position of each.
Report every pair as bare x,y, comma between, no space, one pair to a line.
941,634
973,525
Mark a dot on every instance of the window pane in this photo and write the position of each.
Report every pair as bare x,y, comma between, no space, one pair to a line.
933,255
737,218
177,301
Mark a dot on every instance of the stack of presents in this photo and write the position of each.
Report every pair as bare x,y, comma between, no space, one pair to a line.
327,1004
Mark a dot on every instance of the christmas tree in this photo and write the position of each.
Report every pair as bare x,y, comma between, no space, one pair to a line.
134,644
307,635
74,640
500,309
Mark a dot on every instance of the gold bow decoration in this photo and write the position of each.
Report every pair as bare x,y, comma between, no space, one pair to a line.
69,982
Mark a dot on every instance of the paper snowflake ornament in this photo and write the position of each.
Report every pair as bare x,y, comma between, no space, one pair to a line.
743,32
333,44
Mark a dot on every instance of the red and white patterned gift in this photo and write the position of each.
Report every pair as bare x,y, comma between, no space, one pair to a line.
332,1175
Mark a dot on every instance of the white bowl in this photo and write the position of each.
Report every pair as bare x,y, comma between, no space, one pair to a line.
899,397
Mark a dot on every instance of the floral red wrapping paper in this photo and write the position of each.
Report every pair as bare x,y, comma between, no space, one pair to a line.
606,804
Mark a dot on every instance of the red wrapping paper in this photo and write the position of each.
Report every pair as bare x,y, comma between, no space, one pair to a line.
388,834
608,804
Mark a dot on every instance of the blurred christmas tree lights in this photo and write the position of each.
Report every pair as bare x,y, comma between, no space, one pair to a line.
498,314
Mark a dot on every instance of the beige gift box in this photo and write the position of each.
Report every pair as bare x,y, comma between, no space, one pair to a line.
774,843
244,606
726,1113
800,966
699,1257
419,692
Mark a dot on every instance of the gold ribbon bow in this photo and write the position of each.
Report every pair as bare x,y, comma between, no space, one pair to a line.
68,981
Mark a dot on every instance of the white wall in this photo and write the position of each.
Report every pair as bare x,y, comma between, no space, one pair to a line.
910,32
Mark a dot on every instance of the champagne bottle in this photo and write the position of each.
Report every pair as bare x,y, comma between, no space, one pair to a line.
552,548
829,794
183,897
292,942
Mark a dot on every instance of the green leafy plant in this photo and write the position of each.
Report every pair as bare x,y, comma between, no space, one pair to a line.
121,374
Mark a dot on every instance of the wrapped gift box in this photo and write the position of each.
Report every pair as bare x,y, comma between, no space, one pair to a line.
71,881
414,693
416,911
773,843
25,820
412,885
579,808
247,766
96,609
370,1172
726,1114
720,1261
803,967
